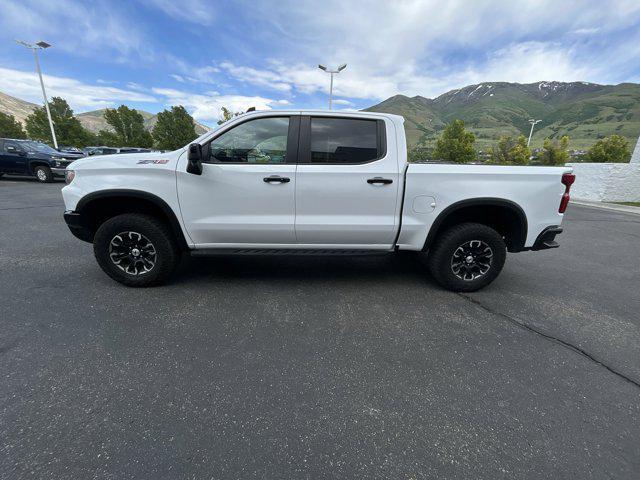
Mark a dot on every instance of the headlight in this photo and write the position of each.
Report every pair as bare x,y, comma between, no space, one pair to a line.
69,175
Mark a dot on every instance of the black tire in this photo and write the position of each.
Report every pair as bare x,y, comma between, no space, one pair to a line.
467,257
43,174
165,254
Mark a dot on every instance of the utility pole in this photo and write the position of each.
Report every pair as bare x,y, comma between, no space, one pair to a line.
41,46
533,123
332,72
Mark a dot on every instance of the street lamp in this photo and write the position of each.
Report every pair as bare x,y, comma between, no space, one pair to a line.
533,123
332,72
41,46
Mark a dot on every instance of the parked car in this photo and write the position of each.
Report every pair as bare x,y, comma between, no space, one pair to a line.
101,151
312,182
114,150
68,149
28,157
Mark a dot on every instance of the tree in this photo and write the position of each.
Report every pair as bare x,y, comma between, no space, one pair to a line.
10,127
511,152
174,129
419,153
613,149
555,152
455,145
128,126
69,130
227,115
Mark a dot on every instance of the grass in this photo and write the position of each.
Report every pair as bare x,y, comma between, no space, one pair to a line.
631,204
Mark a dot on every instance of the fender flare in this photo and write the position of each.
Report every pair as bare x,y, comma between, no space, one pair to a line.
174,224
479,202
37,162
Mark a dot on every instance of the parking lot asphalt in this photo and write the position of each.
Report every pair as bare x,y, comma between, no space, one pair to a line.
275,367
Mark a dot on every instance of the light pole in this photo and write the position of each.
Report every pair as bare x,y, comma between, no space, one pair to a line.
533,124
332,72
41,46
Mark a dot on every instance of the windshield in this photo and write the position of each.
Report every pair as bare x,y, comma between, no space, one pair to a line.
37,147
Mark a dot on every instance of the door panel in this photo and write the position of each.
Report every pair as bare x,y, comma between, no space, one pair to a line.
232,204
13,161
347,197
246,193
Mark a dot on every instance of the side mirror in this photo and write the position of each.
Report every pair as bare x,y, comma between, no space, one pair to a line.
194,164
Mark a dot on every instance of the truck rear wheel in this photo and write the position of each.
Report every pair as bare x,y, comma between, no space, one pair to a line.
43,174
136,250
467,257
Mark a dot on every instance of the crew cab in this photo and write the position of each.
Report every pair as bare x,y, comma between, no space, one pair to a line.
28,157
310,182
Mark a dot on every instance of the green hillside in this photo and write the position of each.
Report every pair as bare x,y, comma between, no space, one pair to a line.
584,111
94,121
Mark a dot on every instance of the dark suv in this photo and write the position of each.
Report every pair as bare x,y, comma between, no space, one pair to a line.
28,157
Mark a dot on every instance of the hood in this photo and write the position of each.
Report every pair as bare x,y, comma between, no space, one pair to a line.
54,156
125,160
68,155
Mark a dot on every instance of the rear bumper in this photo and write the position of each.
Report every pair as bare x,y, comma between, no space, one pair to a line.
547,238
78,226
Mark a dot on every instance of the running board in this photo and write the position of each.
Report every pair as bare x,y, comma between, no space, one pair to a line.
206,252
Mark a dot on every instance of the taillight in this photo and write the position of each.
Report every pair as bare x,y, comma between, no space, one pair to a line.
567,181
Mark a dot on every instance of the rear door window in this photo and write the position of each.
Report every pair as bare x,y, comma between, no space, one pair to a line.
344,140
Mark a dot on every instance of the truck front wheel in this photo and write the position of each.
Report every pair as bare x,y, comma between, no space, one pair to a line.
43,174
467,257
136,250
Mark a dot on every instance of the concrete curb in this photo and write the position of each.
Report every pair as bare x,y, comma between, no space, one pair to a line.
607,206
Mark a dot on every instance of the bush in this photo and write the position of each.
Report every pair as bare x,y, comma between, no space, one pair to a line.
613,149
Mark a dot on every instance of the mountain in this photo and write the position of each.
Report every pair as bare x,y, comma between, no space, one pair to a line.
20,109
584,111
93,121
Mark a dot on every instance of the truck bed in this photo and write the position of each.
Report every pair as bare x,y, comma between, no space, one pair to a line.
432,188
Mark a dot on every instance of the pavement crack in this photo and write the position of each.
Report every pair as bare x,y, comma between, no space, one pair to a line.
551,338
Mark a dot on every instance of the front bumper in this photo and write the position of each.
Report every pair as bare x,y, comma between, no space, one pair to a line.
547,237
78,226
59,171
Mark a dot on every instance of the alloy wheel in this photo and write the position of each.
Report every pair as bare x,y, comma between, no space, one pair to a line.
133,253
471,260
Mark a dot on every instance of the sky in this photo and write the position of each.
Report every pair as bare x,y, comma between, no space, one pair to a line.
151,54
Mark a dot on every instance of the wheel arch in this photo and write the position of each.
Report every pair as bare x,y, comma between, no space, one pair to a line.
37,163
505,216
97,207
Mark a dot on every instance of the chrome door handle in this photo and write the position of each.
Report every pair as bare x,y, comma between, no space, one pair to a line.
276,179
379,180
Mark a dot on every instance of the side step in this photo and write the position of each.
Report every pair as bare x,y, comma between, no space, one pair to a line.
206,252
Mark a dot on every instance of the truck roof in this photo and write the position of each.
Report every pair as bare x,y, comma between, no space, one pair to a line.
359,113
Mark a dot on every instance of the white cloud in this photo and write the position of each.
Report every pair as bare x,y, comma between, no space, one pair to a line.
81,96
262,78
526,62
194,11
340,101
207,107
80,28
429,46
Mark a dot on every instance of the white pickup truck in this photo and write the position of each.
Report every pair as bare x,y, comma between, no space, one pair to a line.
309,182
